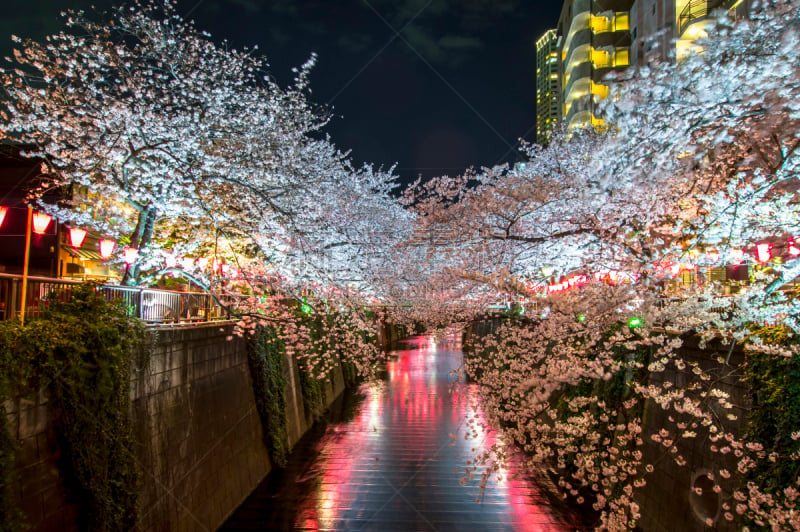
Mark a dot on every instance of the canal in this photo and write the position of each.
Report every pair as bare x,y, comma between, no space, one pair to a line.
394,456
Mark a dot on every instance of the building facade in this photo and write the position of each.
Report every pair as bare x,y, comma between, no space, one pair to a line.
548,86
669,29
596,37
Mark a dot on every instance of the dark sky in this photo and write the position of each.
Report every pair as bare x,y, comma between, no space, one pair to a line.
433,85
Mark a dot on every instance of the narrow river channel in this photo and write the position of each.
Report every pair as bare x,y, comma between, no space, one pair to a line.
395,459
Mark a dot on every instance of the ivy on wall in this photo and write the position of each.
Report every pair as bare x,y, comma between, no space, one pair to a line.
79,354
267,357
774,383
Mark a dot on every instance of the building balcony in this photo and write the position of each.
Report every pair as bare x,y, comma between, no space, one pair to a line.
698,10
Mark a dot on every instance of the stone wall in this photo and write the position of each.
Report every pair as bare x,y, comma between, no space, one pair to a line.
39,490
667,501
199,437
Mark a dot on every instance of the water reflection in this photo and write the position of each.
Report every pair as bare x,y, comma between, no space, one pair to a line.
399,463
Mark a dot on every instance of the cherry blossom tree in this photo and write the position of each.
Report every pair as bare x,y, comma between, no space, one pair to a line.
195,138
698,162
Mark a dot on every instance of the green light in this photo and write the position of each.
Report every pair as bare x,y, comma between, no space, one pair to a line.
635,322
581,317
305,307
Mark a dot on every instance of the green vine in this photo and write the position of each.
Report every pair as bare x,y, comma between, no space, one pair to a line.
266,359
79,354
310,383
774,383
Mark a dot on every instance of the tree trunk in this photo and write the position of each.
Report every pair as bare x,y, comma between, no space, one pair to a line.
141,238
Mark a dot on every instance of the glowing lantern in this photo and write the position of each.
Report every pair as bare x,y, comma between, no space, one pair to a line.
76,237
762,252
40,222
131,254
106,248
635,322
793,249
3,211
675,268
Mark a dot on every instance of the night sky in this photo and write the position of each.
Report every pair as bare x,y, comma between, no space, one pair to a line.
435,86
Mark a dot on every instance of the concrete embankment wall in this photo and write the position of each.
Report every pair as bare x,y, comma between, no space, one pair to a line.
198,434
667,502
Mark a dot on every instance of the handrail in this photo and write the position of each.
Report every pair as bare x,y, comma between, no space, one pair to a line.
153,306
697,10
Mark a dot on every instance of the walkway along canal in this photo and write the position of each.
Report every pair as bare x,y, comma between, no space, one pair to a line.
396,463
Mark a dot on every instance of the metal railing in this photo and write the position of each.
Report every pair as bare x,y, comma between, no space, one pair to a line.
151,305
697,10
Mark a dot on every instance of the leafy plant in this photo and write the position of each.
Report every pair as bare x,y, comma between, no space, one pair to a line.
266,358
79,354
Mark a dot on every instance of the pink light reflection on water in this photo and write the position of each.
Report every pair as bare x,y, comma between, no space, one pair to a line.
395,464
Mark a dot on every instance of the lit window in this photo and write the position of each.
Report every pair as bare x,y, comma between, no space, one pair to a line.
621,57
601,58
622,22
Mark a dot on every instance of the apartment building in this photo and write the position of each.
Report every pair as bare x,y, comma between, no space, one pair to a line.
548,86
596,37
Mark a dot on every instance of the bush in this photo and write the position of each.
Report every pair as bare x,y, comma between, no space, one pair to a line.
80,354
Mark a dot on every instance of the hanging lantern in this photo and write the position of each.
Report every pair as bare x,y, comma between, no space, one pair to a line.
131,254
793,249
106,248
76,237
762,252
3,212
40,222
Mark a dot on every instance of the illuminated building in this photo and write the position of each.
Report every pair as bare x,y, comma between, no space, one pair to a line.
548,86
657,24
597,37
594,39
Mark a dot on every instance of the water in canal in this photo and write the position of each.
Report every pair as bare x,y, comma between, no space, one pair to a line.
396,462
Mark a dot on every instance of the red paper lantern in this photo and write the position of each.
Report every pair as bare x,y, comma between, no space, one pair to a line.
793,249
76,237
131,254
106,248
3,212
762,252
40,222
